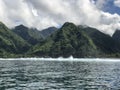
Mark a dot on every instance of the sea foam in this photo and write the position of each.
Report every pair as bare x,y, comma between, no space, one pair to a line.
66,59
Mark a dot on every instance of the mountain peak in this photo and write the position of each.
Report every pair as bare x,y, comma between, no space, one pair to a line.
117,31
116,35
3,26
68,27
19,27
1,23
69,24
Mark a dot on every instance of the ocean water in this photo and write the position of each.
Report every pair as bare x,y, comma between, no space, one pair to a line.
59,74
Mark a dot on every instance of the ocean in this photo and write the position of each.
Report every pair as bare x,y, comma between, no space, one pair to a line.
59,74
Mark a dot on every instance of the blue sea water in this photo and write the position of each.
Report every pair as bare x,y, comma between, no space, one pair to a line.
59,74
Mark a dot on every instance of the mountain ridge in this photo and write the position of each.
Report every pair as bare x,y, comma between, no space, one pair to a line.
116,35
71,33
70,40
31,35
11,43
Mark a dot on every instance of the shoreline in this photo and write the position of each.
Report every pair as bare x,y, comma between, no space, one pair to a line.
64,59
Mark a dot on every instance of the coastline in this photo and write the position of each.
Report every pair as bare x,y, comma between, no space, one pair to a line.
65,59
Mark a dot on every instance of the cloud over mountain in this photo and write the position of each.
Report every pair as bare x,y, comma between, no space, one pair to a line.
45,13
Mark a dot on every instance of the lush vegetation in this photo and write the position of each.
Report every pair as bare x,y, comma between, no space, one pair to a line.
78,41
47,32
116,35
104,43
10,43
30,35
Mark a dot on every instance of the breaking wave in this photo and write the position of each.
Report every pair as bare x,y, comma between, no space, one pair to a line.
65,59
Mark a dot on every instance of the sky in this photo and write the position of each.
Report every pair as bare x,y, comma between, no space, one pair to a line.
101,14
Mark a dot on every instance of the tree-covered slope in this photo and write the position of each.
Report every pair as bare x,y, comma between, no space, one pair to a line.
67,41
31,35
10,42
105,43
78,41
47,32
116,35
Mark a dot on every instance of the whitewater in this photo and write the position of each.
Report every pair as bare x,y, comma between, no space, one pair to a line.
66,59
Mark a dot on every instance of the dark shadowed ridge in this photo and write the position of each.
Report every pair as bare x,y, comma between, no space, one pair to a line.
103,42
31,35
116,35
47,32
10,43
78,41
67,41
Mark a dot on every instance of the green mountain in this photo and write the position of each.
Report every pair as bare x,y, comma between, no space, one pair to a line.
67,41
31,35
78,41
47,32
10,43
116,35
104,43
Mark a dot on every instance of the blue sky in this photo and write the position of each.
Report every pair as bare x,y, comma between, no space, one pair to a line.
111,7
101,14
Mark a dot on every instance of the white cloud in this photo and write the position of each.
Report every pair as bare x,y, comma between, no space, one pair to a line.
117,3
46,13
100,3
109,23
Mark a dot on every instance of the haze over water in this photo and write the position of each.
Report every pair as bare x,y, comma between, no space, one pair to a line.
59,75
